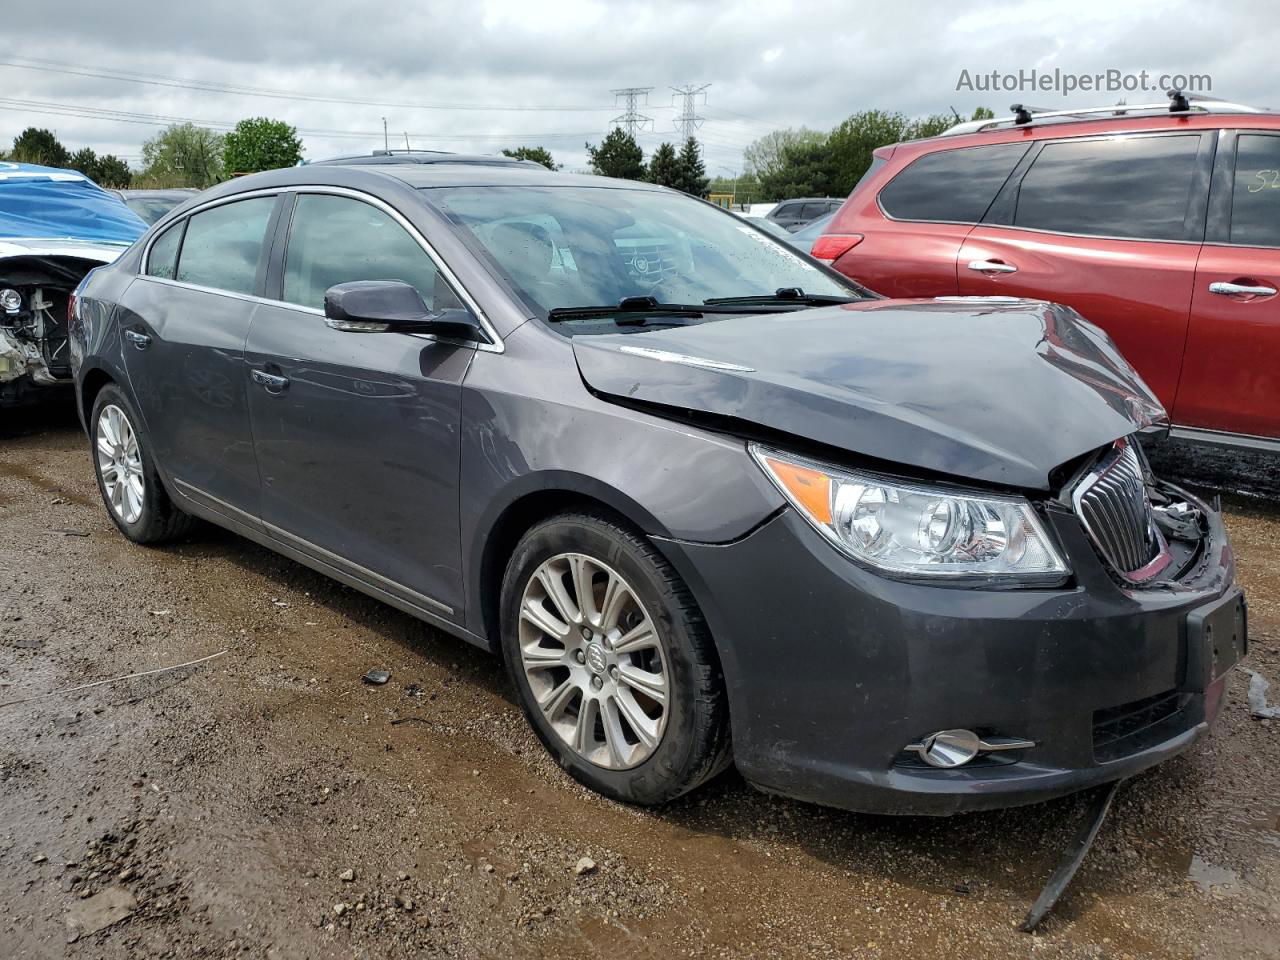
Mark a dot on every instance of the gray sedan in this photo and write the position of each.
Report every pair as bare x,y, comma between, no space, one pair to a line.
711,502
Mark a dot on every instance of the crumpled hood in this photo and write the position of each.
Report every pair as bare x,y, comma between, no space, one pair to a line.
995,390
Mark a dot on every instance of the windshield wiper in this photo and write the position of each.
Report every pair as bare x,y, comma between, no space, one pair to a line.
787,295
637,310
638,307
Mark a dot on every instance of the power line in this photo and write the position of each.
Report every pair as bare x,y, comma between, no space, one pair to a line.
214,86
688,121
631,119
123,116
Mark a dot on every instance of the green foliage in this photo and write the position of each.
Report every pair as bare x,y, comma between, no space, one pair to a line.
36,145
86,161
617,156
182,155
765,157
984,113
113,172
692,172
664,166
260,143
537,154
813,165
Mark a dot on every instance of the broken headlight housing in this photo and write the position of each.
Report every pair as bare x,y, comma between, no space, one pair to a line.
911,529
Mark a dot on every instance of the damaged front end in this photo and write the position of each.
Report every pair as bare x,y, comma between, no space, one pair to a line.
37,283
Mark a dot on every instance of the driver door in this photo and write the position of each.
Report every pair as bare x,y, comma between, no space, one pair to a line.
356,434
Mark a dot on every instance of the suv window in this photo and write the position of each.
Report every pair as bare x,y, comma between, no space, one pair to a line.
1255,196
951,186
1133,187
338,239
224,245
811,211
163,259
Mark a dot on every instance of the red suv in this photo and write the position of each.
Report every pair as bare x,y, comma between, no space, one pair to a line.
1161,225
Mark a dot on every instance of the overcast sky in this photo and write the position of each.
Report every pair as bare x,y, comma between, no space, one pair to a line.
441,71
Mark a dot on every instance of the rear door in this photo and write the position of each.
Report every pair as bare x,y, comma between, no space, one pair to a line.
1111,226
912,231
183,329
357,434
1231,375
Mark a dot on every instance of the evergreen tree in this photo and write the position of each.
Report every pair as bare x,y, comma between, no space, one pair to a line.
618,156
86,161
537,154
692,178
35,145
664,167
113,172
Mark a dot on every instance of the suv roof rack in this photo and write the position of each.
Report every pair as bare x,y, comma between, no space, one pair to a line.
1178,103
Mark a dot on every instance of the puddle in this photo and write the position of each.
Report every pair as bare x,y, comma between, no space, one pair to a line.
1212,880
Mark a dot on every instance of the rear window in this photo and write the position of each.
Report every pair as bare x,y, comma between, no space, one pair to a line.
1129,187
223,245
951,186
1255,196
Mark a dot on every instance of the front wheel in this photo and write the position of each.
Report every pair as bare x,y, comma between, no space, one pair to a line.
613,663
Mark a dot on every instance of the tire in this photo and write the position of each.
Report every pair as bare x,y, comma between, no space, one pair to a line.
141,507
610,733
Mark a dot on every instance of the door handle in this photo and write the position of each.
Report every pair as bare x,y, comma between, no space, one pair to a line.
1240,289
992,266
139,340
273,382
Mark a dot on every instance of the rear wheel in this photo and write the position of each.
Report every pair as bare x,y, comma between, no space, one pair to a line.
127,479
612,660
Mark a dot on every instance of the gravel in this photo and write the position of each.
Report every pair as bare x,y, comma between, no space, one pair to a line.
222,804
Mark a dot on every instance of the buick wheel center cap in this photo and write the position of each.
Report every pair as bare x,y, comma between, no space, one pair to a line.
596,659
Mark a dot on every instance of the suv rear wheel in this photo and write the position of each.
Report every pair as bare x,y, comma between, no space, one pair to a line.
612,660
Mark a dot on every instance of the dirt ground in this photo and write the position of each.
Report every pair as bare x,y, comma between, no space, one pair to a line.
268,804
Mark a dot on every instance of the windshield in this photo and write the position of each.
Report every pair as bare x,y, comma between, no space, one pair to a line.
151,209
565,247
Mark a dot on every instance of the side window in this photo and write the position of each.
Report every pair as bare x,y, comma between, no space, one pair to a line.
811,211
338,239
162,261
785,210
1255,195
1135,187
223,245
951,186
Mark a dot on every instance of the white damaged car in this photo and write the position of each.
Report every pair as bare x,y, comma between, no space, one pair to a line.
55,226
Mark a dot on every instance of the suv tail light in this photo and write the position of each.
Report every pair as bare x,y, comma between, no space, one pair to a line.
833,246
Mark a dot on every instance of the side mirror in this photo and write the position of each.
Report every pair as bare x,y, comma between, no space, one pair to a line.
393,306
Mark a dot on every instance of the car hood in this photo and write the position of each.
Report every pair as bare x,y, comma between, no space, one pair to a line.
994,390
60,247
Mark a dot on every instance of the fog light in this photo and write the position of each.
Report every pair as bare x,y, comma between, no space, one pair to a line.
10,300
954,748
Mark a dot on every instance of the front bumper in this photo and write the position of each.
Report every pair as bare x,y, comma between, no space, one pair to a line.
832,670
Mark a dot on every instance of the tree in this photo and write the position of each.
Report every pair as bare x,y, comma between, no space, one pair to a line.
86,161
618,156
536,154
984,113
692,171
664,166
183,155
113,172
764,157
36,145
260,143
809,170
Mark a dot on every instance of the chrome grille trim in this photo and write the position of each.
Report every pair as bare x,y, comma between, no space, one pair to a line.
1112,503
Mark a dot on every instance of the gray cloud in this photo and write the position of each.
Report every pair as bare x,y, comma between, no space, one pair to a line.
768,64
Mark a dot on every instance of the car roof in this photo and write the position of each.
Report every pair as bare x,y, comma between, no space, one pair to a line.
130,193
396,157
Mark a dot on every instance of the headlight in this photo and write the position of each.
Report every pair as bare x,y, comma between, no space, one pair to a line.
914,529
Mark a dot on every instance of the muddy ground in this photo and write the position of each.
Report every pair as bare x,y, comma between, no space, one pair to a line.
215,811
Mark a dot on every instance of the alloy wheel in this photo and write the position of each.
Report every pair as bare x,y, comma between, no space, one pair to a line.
120,463
594,660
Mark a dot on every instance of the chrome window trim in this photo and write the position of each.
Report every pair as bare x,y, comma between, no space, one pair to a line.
495,346
1045,141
